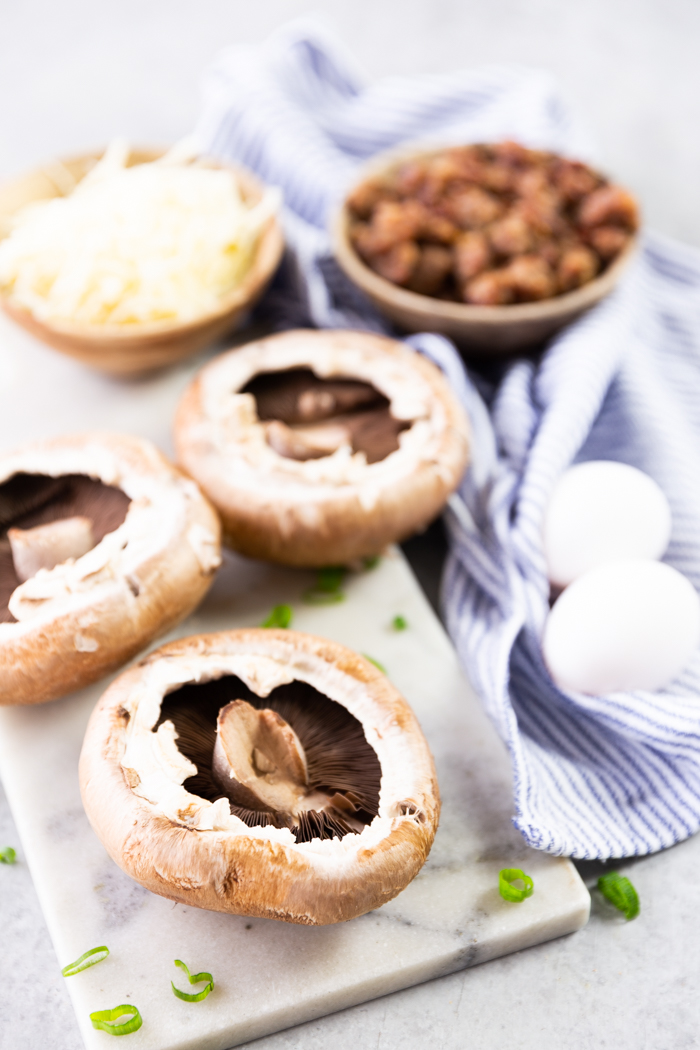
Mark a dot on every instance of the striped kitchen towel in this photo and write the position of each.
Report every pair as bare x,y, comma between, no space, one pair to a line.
594,777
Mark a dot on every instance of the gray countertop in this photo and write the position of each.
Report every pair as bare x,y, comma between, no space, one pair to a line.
74,74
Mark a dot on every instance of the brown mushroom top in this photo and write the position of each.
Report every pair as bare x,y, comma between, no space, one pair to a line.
322,447
295,762
490,224
81,515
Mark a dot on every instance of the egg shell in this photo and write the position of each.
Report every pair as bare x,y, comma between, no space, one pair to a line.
622,626
599,512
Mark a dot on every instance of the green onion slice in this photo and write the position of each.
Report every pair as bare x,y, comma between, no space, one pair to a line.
326,590
508,891
195,978
371,563
8,855
375,662
619,891
87,959
399,623
315,597
104,1019
330,579
281,616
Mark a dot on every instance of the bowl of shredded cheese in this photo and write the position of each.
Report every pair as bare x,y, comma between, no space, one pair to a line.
130,259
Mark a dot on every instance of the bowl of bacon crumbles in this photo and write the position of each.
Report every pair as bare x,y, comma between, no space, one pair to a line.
494,245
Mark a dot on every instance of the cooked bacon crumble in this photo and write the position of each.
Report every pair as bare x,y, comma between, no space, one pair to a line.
490,224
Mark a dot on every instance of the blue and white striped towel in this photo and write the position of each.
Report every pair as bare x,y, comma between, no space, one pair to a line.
594,777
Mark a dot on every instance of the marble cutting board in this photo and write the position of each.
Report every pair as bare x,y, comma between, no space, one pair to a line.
271,975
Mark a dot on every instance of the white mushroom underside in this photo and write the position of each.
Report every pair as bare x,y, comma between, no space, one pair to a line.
154,519
237,432
156,770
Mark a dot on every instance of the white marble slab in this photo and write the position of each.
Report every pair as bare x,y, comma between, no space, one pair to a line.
271,975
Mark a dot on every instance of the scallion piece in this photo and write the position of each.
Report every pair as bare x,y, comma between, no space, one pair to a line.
281,616
509,892
314,597
399,623
620,892
104,1019
330,579
371,563
8,855
375,662
86,960
326,590
195,978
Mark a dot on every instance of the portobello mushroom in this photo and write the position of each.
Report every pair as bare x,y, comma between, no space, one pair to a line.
322,447
104,545
261,772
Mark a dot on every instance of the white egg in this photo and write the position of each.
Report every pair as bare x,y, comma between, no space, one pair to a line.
621,626
599,512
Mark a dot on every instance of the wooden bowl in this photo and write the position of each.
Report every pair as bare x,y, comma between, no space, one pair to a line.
141,347
478,330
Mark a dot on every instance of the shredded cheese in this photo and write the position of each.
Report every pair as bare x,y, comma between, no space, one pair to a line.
163,241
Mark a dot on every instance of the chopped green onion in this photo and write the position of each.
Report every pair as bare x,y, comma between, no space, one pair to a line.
315,597
371,563
375,662
399,623
619,891
326,590
330,579
103,1019
281,616
8,855
195,978
87,959
508,891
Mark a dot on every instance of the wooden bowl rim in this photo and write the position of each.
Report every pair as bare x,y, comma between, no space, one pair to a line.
267,254
377,287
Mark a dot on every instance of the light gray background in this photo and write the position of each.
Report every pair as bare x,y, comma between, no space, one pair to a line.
73,73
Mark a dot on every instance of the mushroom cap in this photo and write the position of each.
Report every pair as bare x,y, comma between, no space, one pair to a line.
85,617
196,851
337,508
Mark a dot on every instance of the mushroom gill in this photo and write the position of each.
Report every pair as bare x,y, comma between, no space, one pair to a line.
44,521
292,759
308,417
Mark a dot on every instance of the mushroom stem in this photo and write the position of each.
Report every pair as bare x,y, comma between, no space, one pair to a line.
258,759
46,546
307,442
260,763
